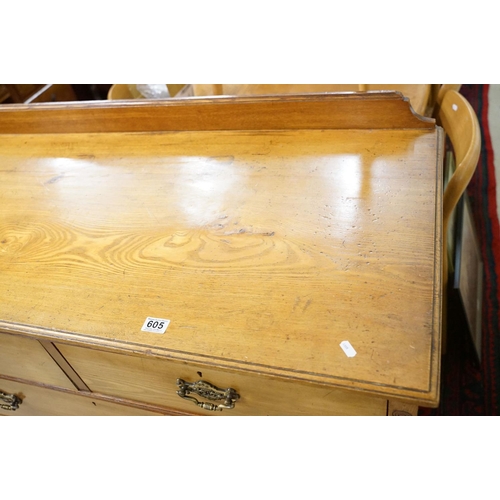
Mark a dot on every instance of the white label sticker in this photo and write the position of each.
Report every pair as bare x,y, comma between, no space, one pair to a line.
348,349
155,325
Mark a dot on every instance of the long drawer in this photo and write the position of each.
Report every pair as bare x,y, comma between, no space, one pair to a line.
38,401
154,381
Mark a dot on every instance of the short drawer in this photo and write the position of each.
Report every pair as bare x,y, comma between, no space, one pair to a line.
153,381
39,401
25,358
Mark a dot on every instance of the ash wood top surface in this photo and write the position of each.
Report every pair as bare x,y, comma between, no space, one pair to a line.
265,249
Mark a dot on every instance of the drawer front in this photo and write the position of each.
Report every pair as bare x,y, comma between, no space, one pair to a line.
38,401
25,358
153,381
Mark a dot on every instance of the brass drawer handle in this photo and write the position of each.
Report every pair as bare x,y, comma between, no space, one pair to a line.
9,402
208,391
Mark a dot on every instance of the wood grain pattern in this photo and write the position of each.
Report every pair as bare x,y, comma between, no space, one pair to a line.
460,123
418,94
322,111
264,249
22,357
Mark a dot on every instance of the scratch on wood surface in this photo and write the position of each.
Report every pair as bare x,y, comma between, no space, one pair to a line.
150,214
298,301
53,180
249,231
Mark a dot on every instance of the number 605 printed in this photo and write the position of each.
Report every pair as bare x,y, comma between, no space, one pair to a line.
155,325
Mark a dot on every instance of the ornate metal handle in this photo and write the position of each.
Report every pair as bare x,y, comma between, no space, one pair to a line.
9,402
208,391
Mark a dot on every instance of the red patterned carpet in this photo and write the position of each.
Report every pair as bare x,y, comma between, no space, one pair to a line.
467,386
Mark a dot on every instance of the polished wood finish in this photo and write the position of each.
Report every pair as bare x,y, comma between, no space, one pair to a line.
437,94
417,93
120,91
383,110
460,123
266,248
443,89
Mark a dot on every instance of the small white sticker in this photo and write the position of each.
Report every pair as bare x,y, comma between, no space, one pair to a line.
454,107
348,349
155,325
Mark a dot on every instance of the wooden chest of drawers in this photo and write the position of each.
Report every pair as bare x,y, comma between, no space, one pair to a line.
284,252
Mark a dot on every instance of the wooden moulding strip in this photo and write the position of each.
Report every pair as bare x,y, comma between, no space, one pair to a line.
372,110
136,404
64,365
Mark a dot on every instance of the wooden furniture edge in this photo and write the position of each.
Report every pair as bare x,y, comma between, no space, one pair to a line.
351,110
420,397
436,346
35,116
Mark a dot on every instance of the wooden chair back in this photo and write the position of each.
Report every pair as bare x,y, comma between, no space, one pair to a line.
120,91
438,91
444,89
461,125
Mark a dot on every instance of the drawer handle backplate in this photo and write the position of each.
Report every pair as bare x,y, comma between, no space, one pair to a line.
207,391
9,402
